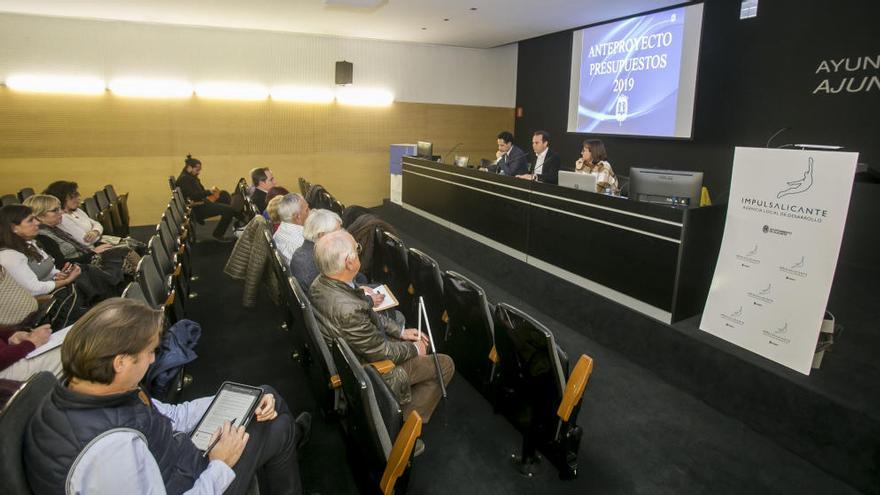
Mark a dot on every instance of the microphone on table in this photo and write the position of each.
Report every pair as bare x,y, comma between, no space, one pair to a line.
780,131
451,150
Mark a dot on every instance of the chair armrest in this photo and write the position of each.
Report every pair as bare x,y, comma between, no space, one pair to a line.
401,452
574,389
383,366
493,355
335,382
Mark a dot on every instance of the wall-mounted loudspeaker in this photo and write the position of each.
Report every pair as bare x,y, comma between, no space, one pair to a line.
344,72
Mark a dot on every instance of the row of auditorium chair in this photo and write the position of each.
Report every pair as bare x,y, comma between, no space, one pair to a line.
382,439
105,206
511,358
164,273
508,356
320,198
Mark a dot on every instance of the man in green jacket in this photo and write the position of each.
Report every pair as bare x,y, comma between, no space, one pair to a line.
347,312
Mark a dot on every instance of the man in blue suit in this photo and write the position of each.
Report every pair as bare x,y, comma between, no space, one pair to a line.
510,159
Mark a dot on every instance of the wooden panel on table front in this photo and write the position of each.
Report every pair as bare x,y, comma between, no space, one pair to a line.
136,143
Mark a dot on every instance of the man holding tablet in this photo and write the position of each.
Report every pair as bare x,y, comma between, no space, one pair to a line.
100,433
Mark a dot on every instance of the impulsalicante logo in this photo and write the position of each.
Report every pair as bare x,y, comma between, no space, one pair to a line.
797,211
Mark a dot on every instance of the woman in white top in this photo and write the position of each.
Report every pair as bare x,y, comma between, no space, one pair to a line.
23,259
74,221
594,160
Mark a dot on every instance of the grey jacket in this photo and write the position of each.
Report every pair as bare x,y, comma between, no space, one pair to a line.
250,260
346,312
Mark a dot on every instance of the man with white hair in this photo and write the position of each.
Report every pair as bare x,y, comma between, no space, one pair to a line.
302,262
293,211
348,313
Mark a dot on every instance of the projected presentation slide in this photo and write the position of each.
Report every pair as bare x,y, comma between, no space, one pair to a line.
636,77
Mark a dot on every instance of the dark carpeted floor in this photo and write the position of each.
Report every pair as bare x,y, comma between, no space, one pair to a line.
641,435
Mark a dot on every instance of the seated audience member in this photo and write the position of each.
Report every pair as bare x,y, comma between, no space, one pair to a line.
64,247
271,213
98,432
206,203
292,212
263,180
103,267
594,160
23,259
546,164
364,232
74,221
302,262
509,159
17,305
349,314
16,343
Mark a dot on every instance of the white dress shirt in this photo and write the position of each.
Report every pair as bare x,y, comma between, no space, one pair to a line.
539,162
288,238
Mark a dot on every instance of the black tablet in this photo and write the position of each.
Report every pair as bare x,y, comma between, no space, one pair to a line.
234,402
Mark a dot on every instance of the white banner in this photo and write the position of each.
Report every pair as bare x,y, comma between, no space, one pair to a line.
785,220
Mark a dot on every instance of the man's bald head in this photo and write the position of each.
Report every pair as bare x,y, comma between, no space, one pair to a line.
336,254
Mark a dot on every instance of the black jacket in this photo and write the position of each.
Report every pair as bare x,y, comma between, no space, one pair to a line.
550,171
192,187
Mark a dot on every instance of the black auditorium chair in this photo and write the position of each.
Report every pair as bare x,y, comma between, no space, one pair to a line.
90,206
13,422
9,199
427,281
317,360
121,202
158,290
133,291
25,193
168,265
337,207
104,217
109,209
172,182
394,271
469,337
535,392
280,271
176,242
374,422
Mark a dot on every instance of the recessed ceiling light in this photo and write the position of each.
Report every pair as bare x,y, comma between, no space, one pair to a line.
446,20
424,29
473,8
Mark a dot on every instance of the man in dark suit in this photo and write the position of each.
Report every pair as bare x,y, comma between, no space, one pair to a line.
263,180
546,163
510,159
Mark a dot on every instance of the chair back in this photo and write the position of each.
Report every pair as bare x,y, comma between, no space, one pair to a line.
133,291
154,288
111,193
319,363
90,205
367,426
101,198
25,193
160,255
13,422
337,207
172,182
9,199
426,279
395,268
470,330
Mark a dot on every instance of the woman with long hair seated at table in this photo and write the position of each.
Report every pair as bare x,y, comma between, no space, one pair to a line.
594,160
